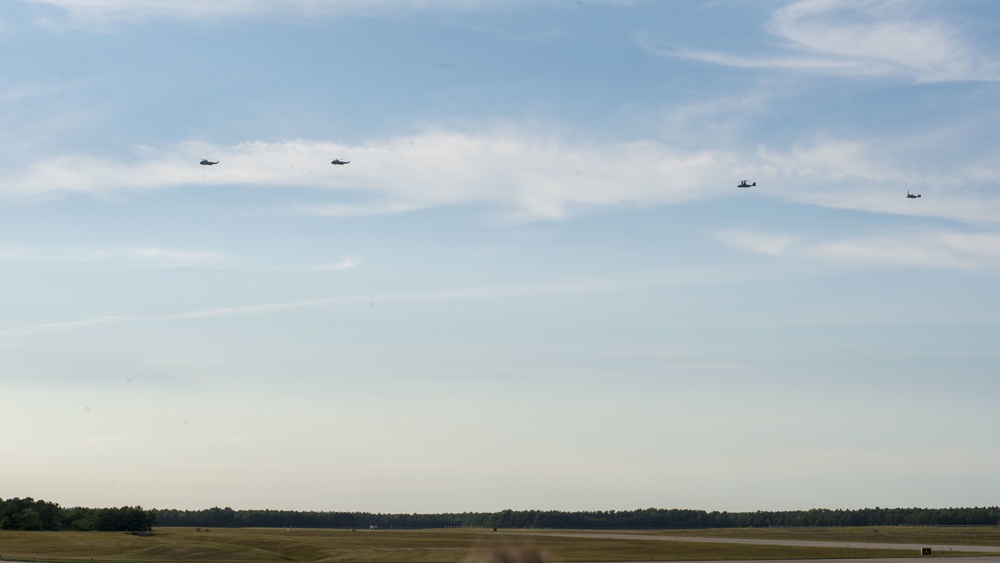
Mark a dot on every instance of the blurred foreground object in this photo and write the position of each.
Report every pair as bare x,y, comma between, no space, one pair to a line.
506,555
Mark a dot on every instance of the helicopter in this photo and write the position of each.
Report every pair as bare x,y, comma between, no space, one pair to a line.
911,196
206,162
744,184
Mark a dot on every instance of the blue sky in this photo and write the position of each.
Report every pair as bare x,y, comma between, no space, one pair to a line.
534,286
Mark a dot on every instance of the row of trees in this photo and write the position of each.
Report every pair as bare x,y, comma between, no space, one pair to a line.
30,514
650,518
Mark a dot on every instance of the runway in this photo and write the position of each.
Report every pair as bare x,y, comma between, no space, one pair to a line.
937,548
978,559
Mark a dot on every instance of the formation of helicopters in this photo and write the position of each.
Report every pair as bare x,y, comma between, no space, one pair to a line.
337,161
207,162
744,184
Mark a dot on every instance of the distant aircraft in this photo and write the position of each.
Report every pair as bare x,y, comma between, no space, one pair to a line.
911,196
206,162
338,161
744,184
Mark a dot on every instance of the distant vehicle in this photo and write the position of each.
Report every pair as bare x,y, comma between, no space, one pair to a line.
911,196
206,162
744,184
338,161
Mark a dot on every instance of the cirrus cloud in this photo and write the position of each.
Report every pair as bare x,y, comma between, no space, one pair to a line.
531,176
907,247
866,38
97,12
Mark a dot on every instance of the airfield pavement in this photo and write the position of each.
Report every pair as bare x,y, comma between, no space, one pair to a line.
980,559
916,547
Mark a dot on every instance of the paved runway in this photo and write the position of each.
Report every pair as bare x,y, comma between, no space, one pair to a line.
793,543
980,559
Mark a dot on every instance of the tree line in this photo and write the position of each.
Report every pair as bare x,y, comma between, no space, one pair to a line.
35,515
30,514
649,518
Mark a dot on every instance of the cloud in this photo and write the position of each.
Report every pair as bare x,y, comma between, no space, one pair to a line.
345,264
837,159
929,249
347,210
523,176
90,12
863,38
65,326
531,176
497,291
10,251
147,256
762,243
169,258
917,248
151,256
874,176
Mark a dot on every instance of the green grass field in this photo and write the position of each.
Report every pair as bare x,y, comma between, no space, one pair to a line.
448,546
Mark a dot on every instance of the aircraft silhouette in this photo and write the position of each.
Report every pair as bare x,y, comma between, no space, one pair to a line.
911,196
338,161
744,184
206,162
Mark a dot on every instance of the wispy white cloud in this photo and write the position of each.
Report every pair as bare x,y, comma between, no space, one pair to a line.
159,257
772,244
787,62
874,175
883,33
721,120
193,9
837,159
10,251
164,257
345,264
865,38
353,210
27,91
523,175
144,256
532,176
66,326
497,291
88,12
930,249
917,248
752,101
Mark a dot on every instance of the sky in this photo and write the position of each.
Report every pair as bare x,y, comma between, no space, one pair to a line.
536,284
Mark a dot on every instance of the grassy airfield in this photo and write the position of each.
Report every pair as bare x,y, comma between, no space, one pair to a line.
454,545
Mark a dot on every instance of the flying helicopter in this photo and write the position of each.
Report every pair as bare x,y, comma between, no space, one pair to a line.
206,162
340,162
911,196
744,184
